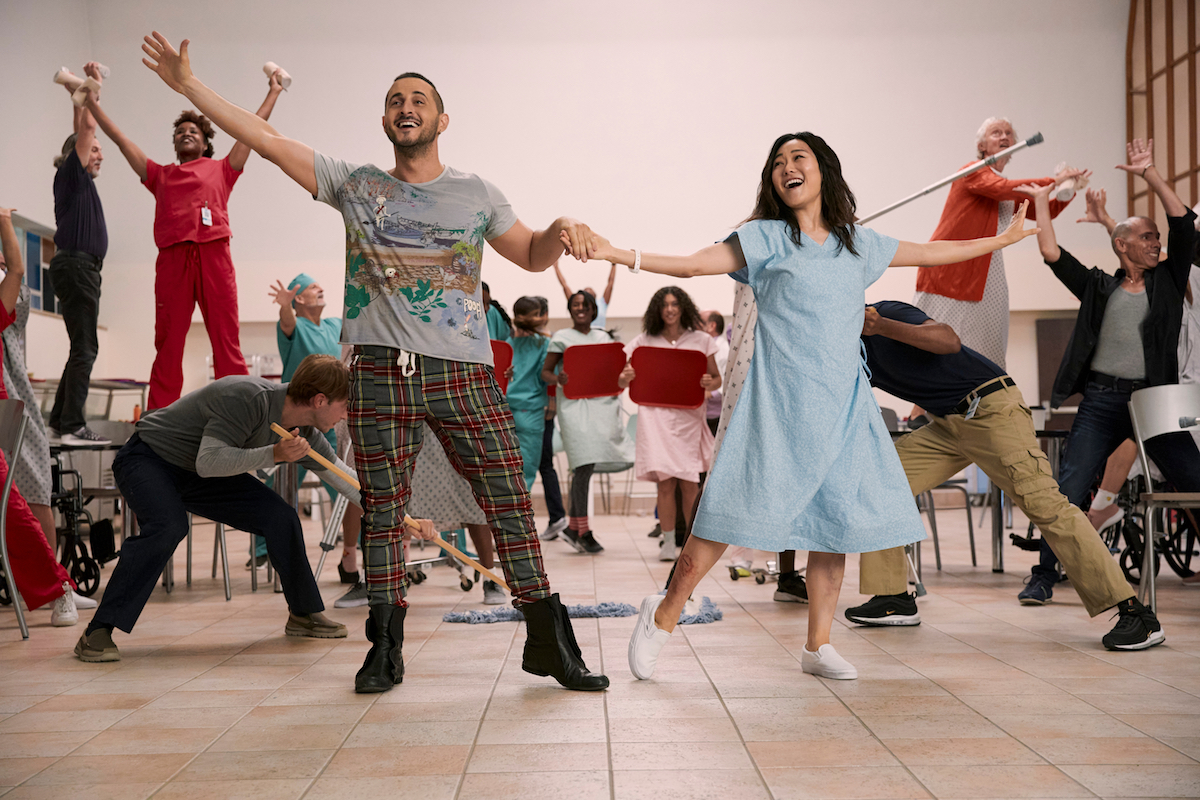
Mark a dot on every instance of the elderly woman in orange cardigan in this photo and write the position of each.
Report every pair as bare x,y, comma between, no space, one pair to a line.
972,297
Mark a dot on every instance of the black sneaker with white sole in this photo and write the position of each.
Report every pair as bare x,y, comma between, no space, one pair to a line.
886,609
791,588
1137,628
571,537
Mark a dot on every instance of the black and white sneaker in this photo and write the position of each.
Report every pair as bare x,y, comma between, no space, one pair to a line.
258,562
357,596
84,436
590,545
1137,628
571,537
791,588
886,609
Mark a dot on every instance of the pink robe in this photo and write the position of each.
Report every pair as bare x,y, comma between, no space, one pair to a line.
673,442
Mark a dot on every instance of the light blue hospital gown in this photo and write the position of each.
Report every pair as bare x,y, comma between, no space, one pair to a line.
807,463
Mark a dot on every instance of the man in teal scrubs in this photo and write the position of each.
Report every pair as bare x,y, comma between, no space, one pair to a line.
301,332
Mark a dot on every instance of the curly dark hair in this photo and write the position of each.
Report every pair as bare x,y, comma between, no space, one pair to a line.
589,300
837,201
201,122
689,316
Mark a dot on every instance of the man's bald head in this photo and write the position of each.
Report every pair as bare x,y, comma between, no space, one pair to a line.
714,322
1136,242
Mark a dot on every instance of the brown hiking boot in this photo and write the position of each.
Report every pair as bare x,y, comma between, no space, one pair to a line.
97,646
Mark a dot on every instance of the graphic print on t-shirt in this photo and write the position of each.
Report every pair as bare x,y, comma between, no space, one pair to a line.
413,247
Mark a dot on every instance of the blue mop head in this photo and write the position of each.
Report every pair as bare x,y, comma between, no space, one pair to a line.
708,613
510,614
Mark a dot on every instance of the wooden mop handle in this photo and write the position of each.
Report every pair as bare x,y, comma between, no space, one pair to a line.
317,457
411,523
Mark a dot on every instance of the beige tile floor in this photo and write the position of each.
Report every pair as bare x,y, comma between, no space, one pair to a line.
986,699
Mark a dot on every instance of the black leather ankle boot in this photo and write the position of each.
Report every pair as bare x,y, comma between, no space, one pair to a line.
384,666
550,647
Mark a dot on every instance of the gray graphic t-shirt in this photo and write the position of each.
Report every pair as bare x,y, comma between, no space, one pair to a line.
413,257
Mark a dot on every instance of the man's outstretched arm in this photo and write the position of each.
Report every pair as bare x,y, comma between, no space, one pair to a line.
294,158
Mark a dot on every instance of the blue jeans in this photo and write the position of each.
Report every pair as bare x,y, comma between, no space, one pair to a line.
1100,426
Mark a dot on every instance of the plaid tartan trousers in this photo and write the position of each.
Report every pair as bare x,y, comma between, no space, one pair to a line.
468,413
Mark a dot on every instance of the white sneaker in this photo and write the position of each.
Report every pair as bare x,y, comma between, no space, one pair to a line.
647,640
493,595
554,529
83,602
64,614
666,550
828,664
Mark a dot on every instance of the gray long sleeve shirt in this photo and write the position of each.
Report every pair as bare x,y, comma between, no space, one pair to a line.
225,429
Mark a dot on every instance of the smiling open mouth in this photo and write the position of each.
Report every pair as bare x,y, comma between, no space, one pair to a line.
793,183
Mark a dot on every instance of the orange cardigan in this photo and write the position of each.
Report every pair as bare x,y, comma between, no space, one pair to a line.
972,211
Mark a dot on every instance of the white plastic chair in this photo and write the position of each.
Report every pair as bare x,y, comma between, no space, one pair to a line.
1155,411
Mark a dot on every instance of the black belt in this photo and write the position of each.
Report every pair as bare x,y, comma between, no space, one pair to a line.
983,391
95,262
1120,384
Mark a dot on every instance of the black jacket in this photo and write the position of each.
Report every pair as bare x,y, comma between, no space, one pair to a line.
1165,285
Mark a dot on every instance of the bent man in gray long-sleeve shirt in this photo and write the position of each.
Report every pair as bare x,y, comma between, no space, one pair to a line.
194,456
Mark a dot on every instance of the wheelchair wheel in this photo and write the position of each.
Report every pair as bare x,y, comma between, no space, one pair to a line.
1180,545
5,600
86,574
1131,556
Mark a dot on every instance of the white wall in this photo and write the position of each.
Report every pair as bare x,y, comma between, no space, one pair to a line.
650,121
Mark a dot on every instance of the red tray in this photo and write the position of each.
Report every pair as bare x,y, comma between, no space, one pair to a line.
667,377
593,370
502,355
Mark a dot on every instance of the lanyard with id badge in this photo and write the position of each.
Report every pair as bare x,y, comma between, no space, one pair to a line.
206,215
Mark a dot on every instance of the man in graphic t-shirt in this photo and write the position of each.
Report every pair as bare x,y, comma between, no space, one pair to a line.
415,315
81,242
191,230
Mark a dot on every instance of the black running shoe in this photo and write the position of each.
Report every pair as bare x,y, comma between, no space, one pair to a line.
886,609
571,536
791,588
590,545
1137,628
657,532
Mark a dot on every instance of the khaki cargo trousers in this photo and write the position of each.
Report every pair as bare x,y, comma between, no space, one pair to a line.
1000,440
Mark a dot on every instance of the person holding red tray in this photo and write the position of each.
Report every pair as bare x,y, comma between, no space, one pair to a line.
592,433
674,445
807,457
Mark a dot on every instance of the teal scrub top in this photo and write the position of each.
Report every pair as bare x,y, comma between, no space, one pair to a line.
526,391
497,328
306,340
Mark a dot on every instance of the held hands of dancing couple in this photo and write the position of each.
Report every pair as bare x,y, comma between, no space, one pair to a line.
726,257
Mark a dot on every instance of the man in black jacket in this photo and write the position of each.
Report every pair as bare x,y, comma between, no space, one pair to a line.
1126,338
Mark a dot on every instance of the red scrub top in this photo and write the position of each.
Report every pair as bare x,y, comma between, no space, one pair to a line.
182,191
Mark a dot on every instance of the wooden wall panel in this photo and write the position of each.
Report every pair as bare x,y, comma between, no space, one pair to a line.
1162,81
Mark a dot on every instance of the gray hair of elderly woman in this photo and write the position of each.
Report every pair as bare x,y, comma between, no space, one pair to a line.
983,129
